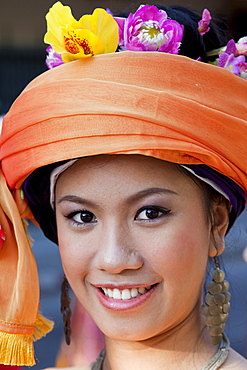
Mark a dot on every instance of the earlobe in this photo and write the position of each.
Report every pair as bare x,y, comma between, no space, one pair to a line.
219,229
217,244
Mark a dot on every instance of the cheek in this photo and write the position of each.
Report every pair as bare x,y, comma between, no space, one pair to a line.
181,250
74,256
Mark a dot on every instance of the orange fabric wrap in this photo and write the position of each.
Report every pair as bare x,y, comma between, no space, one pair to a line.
20,322
16,287
162,105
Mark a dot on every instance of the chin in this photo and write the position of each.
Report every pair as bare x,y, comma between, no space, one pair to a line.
124,332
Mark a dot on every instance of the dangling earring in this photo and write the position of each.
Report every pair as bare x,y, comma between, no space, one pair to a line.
65,309
217,304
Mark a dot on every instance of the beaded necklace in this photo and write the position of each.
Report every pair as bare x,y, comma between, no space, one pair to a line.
213,364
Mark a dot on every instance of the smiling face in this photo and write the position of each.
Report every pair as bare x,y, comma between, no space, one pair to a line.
134,239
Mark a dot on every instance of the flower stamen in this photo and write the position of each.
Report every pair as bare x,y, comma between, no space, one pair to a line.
71,46
150,33
86,47
73,43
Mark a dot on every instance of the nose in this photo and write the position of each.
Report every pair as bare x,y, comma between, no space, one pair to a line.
117,251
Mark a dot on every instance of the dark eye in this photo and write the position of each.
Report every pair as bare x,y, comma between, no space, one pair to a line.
82,217
151,213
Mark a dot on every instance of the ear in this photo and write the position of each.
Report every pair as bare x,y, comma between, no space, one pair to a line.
219,227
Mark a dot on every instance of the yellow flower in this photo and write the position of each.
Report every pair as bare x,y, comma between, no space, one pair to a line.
91,35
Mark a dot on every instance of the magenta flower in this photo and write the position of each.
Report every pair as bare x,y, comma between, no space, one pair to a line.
149,29
227,60
203,24
53,59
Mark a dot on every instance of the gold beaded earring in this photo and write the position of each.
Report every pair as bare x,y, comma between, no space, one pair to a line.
65,309
217,304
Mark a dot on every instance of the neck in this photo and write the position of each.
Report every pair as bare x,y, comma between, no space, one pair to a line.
186,346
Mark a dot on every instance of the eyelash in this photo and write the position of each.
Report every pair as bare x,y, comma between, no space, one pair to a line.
82,223
160,212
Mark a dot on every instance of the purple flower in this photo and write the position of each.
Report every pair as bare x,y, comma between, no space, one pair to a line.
109,11
53,59
227,60
203,24
149,29
231,47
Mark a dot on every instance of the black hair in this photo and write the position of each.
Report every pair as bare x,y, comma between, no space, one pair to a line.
211,197
37,192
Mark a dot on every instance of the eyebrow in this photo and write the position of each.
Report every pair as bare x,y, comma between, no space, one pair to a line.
150,191
76,199
139,195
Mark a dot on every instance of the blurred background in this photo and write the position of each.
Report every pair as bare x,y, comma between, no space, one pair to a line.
22,57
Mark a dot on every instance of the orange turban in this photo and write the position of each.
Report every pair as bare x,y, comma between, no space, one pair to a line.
167,106
156,104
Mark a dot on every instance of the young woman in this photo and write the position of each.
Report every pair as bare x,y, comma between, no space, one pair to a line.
134,163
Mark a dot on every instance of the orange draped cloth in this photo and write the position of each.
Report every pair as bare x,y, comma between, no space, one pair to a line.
156,104
163,105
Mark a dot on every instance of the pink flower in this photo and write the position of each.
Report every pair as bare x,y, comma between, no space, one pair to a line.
241,46
227,60
53,59
243,70
203,24
149,29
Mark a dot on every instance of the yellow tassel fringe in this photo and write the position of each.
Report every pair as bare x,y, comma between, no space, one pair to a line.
16,349
42,327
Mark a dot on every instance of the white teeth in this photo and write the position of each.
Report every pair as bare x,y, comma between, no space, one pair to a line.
134,292
109,293
116,294
125,293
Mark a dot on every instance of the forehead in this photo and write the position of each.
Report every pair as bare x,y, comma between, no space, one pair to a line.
121,166
125,173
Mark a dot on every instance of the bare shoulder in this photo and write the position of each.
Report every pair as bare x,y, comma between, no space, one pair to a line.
235,361
84,367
